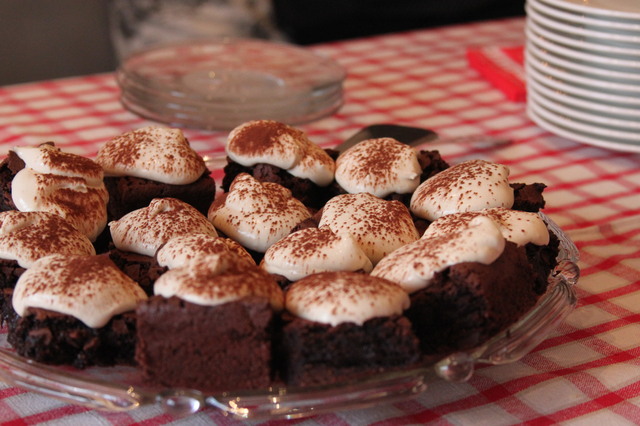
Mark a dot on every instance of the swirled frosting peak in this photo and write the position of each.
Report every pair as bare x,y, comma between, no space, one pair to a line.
219,278
144,230
413,266
468,186
314,250
338,297
379,166
378,226
256,214
271,142
63,183
155,153
27,236
89,288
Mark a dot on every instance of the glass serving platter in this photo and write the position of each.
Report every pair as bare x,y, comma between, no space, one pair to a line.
122,389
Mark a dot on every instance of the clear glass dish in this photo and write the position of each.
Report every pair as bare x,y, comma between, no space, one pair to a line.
121,388
219,84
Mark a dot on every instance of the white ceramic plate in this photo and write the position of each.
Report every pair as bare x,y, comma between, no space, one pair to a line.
606,122
585,21
584,104
578,136
569,77
611,9
588,45
583,91
596,60
576,125
588,34
583,69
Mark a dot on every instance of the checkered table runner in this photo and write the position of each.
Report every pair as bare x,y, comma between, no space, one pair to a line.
587,371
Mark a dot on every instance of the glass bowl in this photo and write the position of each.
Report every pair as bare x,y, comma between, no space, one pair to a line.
219,84
122,389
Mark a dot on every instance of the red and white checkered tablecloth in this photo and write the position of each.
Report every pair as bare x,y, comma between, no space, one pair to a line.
586,372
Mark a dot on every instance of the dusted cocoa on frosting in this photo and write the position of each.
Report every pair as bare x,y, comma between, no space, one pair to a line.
271,142
89,288
63,183
379,166
338,297
27,236
414,265
314,250
377,225
468,186
256,214
185,249
156,153
144,230
216,279
516,226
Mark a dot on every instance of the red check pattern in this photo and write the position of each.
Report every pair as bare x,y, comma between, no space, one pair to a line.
586,372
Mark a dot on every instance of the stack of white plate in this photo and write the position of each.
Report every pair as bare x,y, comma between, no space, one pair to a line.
583,70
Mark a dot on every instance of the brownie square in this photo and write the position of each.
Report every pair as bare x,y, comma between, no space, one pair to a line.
210,348
54,338
142,269
128,193
318,354
468,303
10,271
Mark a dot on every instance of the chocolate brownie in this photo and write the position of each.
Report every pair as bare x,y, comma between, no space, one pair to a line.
10,271
128,193
209,348
317,354
142,269
11,165
54,338
468,303
528,197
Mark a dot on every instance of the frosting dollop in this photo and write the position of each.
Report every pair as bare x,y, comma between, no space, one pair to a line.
27,236
219,278
413,266
89,288
256,214
184,249
468,186
275,143
339,297
314,250
144,230
378,226
156,153
516,226
379,166
62,183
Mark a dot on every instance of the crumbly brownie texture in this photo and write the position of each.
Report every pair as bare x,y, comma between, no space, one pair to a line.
11,165
317,354
143,269
128,193
54,338
10,271
469,302
210,348
528,197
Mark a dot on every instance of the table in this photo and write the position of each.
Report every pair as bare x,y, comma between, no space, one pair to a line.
587,371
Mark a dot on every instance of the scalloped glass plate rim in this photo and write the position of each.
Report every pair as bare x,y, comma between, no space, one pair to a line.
97,392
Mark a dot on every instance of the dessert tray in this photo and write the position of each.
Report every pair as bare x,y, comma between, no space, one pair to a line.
219,84
122,389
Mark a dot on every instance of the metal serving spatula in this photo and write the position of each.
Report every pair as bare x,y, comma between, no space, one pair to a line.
409,135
